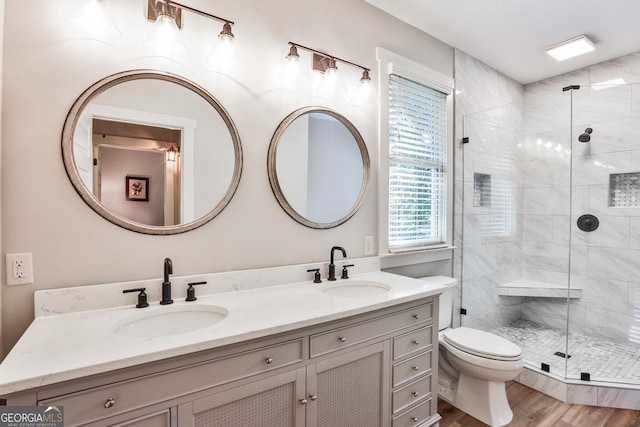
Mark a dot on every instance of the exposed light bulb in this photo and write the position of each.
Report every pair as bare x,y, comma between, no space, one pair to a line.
164,37
293,55
226,34
332,68
365,79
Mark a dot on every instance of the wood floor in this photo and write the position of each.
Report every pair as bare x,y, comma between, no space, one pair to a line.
532,408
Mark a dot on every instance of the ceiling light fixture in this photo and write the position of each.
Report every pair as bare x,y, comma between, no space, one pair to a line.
157,8
324,63
571,48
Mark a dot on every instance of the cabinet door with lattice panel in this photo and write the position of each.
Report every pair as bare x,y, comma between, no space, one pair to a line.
350,389
271,402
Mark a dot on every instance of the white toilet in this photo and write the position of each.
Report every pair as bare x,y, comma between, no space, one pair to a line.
474,365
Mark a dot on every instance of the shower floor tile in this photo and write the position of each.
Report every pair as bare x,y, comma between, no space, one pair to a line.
603,360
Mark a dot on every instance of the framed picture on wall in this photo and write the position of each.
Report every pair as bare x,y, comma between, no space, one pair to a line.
137,188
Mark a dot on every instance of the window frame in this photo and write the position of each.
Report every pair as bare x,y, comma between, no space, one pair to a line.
391,63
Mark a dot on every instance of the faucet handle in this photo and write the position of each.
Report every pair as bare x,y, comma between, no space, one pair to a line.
316,277
345,273
191,293
142,296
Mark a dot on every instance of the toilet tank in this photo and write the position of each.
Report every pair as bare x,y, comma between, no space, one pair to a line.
446,298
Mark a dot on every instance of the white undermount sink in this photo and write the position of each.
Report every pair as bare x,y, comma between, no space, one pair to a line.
172,320
355,288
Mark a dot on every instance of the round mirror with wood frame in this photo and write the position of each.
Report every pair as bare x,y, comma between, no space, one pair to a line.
318,167
152,152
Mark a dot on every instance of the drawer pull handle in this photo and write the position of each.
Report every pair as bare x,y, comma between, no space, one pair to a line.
416,316
414,419
313,397
109,403
416,342
342,339
415,368
303,401
268,360
414,393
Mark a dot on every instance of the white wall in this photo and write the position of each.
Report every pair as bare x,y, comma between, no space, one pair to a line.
46,66
117,164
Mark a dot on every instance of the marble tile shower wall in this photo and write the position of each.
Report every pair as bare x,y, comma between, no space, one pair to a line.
604,263
489,237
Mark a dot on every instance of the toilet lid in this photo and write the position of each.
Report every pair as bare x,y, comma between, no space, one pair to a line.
481,343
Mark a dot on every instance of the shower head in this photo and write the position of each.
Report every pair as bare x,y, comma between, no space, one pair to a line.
586,136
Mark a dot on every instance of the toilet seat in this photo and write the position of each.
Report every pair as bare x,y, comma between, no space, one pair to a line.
482,344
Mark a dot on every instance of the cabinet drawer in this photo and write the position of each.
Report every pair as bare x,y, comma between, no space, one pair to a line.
413,342
414,416
411,393
106,401
412,368
353,334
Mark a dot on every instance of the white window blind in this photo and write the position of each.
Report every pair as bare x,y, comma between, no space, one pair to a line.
417,165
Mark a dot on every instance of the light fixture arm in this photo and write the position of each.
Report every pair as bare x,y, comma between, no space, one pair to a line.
335,58
198,12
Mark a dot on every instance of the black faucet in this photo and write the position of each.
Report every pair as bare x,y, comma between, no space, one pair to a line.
332,267
166,285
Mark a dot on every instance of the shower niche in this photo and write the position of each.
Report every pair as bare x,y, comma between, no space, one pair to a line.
481,190
624,190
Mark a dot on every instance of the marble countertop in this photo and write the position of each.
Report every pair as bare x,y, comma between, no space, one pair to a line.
62,347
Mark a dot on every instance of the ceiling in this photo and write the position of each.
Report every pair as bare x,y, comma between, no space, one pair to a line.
512,35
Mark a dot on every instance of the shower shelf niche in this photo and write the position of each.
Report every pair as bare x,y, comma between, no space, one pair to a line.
535,288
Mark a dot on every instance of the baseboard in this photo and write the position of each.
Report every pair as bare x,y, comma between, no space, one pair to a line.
593,393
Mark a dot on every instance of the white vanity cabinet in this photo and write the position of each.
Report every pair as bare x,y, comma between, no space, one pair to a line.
371,369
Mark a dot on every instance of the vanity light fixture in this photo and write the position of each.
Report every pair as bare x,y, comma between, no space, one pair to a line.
331,66
571,48
293,55
168,8
325,63
365,79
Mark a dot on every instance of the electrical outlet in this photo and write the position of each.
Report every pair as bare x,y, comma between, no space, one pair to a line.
369,246
19,268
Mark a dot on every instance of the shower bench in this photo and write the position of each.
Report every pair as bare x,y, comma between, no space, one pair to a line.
535,288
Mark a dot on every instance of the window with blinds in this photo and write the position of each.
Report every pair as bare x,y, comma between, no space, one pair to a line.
417,165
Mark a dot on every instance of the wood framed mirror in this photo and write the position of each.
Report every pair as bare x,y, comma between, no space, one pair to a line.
319,167
166,131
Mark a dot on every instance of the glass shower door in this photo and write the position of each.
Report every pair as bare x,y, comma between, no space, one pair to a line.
550,218
604,337
515,244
